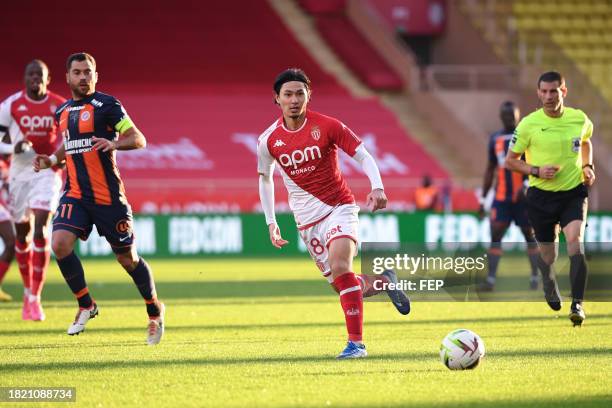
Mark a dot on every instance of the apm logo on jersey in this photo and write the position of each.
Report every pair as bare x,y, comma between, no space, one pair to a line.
36,122
297,157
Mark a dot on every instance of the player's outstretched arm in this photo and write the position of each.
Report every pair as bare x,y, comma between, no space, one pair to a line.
42,161
377,199
131,139
266,196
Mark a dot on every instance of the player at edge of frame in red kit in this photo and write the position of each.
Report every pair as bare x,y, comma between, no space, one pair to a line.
94,194
305,145
26,119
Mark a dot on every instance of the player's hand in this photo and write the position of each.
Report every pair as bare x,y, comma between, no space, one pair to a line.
275,236
41,162
23,146
481,212
548,172
589,176
376,200
99,143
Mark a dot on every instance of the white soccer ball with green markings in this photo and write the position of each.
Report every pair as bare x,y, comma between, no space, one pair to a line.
462,350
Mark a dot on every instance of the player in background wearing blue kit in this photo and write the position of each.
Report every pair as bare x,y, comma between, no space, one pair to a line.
509,202
94,193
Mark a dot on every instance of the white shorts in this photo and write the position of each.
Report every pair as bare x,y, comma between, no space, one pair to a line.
41,192
342,222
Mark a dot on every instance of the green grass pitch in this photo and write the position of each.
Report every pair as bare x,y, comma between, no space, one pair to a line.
264,333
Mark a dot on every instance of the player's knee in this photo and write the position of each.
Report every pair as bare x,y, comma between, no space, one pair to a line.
61,247
127,260
339,266
528,234
549,258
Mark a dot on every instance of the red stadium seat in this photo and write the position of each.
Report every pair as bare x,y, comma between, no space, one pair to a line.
323,6
196,77
357,53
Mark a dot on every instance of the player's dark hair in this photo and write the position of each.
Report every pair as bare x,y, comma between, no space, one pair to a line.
288,75
551,76
37,62
80,56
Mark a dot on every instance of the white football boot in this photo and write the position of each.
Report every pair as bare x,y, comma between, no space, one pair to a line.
81,319
155,330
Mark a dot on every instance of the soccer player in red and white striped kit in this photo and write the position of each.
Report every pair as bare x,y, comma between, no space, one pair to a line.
304,143
27,119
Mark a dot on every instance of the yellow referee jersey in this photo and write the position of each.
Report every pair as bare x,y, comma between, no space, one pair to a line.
554,141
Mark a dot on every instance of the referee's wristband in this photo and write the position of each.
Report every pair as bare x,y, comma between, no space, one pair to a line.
589,165
53,159
535,171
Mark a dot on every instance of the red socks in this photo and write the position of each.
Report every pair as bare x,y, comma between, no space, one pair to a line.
40,264
33,264
23,255
351,300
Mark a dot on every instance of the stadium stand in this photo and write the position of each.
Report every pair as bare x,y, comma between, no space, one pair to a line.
581,32
554,33
324,6
196,78
567,36
350,45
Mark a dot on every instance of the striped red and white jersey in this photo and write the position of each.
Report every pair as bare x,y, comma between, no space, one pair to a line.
308,160
26,119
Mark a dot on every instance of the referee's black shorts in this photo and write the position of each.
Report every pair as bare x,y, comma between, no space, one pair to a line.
548,209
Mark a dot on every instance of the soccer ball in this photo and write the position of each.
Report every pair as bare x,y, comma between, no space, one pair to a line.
461,350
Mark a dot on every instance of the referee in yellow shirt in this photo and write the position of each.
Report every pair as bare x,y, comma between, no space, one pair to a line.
559,161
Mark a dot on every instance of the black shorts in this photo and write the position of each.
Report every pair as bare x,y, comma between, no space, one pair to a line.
549,209
508,211
113,222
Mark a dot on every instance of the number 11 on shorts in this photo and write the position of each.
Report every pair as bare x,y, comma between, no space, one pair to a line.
66,211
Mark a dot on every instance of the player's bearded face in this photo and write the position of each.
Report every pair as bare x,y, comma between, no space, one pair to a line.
293,99
82,78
